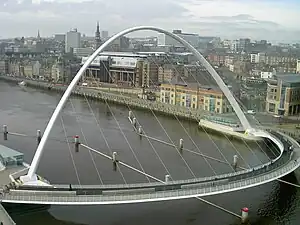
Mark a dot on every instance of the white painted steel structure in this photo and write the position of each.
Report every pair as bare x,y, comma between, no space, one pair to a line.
31,176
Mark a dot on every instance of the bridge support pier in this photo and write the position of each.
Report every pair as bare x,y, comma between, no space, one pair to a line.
245,215
5,132
140,131
114,159
38,136
235,161
180,144
76,139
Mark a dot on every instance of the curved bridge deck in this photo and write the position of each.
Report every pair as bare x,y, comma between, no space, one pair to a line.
114,194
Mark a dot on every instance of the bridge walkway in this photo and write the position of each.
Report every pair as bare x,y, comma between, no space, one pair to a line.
286,165
5,219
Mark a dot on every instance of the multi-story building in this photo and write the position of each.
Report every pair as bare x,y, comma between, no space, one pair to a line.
167,72
195,97
72,40
125,69
4,66
82,52
283,95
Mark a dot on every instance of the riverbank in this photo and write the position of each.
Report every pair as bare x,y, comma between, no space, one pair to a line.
158,107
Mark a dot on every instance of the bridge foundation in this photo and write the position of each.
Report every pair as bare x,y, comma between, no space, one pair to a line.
5,132
76,140
38,136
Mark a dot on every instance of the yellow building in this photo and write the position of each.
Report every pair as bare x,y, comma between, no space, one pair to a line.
195,97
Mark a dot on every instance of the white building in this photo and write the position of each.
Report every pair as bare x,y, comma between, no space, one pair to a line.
72,40
82,52
254,58
298,66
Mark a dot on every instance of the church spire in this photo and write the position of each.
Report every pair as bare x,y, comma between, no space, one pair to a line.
97,36
38,35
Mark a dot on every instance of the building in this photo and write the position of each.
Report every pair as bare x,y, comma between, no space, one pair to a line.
298,66
98,71
97,37
193,39
82,52
124,69
283,95
195,97
167,72
72,40
3,67
267,75
60,37
10,157
104,35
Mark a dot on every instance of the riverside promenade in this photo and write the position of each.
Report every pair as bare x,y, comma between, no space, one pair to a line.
197,115
96,94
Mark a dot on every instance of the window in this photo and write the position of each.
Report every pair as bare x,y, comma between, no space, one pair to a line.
271,107
218,110
194,99
194,106
182,97
218,103
172,95
162,99
182,103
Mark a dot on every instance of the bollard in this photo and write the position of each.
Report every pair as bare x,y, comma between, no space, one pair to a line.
130,115
181,144
76,138
167,178
134,122
235,161
245,215
140,131
38,136
5,132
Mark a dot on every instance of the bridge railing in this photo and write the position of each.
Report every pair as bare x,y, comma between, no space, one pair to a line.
195,191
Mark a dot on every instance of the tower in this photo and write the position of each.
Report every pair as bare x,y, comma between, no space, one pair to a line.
97,36
38,36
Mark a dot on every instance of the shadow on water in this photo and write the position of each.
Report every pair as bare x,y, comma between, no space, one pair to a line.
280,205
42,217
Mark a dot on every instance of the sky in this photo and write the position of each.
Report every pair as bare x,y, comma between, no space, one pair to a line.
274,20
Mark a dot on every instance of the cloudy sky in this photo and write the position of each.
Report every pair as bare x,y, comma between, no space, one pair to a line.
259,19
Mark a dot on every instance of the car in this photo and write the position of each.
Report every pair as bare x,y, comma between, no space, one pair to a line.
251,112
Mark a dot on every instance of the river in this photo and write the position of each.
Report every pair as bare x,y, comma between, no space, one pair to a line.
25,110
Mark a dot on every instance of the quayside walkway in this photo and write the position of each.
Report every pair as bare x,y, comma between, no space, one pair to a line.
149,192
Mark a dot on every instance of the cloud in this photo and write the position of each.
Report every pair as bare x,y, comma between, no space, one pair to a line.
226,18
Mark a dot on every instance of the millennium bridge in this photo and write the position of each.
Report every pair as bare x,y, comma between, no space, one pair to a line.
29,188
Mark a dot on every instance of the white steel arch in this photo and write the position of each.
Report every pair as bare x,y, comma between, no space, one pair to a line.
31,176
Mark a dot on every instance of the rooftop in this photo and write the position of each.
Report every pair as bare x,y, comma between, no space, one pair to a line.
289,78
6,152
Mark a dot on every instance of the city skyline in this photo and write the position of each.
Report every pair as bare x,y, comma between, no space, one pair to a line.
272,20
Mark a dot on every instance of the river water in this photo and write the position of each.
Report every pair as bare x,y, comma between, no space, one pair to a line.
25,110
